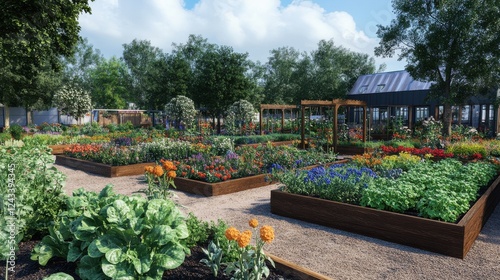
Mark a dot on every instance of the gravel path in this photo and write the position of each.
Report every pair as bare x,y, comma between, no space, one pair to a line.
334,253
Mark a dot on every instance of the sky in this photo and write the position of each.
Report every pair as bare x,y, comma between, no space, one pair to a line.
248,26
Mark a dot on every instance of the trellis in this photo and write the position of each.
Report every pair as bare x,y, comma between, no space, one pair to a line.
275,107
335,104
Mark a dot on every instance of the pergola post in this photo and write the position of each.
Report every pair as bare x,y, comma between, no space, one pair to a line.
335,126
282,120
302,128
364,123
260,121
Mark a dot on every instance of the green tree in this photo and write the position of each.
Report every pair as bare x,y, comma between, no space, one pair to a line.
72,101
34,34
279,69
335,70
240,113
220,80
147,65
110,84
78,67
453,44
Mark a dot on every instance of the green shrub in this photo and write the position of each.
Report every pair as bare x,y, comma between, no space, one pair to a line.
30,190
467,150
199,231
4,136
16,131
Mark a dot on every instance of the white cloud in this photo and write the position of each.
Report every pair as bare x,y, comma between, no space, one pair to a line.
253,26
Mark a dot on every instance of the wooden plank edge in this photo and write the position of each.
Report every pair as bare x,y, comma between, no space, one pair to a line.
291,269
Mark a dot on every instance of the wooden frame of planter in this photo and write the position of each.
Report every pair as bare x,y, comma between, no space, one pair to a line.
297,272
352,150
220,188
102,169
59,149
451,239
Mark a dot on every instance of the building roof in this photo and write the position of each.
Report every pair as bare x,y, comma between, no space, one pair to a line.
397,81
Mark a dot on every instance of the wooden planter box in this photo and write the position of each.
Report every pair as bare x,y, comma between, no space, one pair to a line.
380,136
352,150
102,169
441,237
291,270
59,149
220,188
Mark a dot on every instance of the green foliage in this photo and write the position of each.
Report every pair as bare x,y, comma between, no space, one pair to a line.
59,276
91,129
181,110
16,131
214,257
72,101
33,37
111,84
4,136
199,231
442,190
30,191
238,116
448,43
468,150
116,236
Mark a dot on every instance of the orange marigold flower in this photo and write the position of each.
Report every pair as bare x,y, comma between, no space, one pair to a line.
267,233
244,238
171,174
232,233
253,223
158,170
149,169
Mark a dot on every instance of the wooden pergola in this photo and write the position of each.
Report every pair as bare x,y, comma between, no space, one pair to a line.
275,107
335,104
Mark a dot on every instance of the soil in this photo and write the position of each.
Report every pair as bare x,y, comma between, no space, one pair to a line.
27,269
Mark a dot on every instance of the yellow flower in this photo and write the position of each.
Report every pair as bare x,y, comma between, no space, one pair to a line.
267,233
171,174
253,223
244,238
232,233
158,170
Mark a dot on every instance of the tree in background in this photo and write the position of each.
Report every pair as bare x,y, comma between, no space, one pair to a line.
453,44
147,66
279,69
220,80
239,116
77,69
110,84
182,111
72,101
33,36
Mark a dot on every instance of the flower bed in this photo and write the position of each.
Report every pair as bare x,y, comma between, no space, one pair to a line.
220,188
100,168
445,238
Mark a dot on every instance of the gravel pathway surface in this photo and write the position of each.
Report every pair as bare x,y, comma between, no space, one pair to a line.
333,253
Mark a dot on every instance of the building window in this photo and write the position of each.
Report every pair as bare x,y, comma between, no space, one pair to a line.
380,87
454,113
375,114
466,113
483,113
402,112
440,112
421,113
492,113
363,89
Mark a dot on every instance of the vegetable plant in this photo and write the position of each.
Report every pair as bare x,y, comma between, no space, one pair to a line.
116,236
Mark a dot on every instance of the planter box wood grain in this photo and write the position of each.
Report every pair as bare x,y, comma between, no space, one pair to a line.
220,188
59,149
291,270
102,169
451,239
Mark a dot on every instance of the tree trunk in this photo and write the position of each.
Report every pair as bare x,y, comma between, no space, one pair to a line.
447,120
218,126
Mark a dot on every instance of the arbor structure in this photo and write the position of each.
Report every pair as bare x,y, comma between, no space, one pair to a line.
453,44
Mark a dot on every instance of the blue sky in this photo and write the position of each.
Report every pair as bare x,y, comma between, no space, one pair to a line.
252,26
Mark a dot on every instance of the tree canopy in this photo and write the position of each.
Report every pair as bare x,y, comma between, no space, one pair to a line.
453,44
34,34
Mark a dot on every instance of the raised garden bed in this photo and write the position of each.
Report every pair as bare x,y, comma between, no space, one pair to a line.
220,188
451,239
278,143
59,149
100,168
